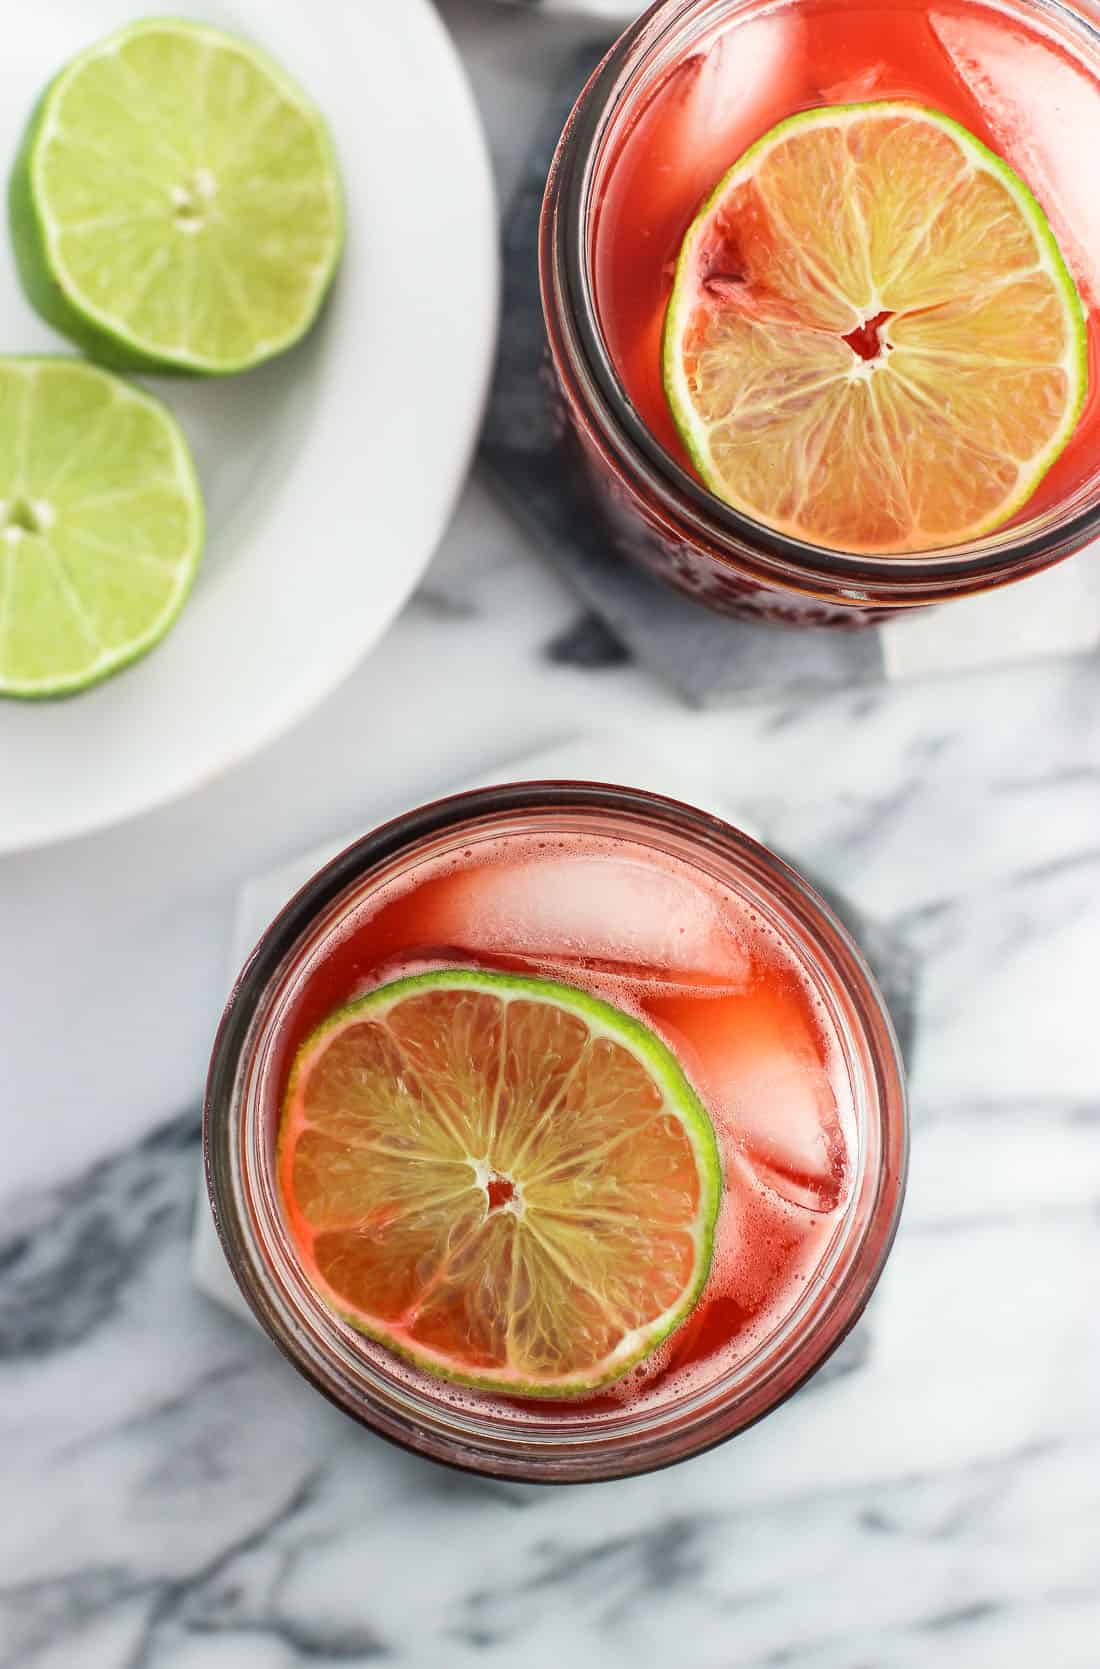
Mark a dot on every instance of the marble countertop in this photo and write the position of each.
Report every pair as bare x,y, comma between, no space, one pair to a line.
175,1498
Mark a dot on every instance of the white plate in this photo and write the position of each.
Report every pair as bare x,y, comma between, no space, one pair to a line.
330,474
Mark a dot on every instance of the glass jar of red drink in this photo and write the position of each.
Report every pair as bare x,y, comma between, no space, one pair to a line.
313,957
655,128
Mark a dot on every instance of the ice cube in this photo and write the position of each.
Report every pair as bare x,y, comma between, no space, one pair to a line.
764,1066
790,1131
712,105
1044,115
634,918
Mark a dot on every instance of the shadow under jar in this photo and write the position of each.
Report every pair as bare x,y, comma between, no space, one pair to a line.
716,59
322,951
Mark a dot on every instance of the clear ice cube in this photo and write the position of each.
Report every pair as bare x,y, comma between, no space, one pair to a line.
1044,115
765,1070
636,919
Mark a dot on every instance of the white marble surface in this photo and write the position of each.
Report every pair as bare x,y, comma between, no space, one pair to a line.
174,1498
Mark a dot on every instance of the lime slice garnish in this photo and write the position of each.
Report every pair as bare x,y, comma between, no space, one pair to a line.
505,1180
873,342
101,524
175,203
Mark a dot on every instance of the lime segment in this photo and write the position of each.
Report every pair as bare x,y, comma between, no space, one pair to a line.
503,1179
175,204
100,524
873,342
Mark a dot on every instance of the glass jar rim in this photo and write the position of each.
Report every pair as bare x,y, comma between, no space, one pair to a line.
584,363
306,1331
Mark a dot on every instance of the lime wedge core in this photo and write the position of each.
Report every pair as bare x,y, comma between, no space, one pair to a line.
176,204
101,524
872,342
503,1179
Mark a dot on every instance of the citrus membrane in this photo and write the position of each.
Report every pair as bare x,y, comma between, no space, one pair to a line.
873,342
175,203
101,524
505,1180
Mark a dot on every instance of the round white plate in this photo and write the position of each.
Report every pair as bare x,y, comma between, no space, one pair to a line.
329,474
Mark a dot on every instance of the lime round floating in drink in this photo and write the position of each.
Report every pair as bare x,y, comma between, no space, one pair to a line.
873,342
175,204
101,524
506,1181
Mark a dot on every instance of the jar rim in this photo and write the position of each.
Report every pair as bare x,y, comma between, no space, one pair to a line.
586,368
306,1331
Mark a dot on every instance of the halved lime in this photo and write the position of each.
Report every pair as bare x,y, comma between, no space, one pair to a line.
503,1179
873,342
175,203
101,524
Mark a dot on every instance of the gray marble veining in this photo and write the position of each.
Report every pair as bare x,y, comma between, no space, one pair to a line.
175,1498
180,1498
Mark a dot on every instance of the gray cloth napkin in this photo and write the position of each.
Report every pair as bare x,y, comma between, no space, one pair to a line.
709,660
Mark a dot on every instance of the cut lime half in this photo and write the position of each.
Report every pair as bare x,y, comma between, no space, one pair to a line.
507,1181
175,204
101,524
873,342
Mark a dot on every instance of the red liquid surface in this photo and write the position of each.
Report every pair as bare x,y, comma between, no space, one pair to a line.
653,936
1018,91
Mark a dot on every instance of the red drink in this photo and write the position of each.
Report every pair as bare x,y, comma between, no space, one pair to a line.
684,93
688,928
687,958
1012,86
